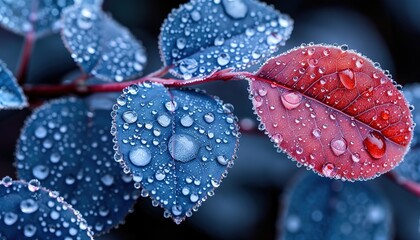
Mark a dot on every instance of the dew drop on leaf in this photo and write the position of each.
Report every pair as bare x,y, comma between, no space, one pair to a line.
231,33
11,95
66,145
183,142
375,145
100,46
27,208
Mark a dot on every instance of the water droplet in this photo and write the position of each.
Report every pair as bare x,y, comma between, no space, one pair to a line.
140,156
329,170
160,175
209,117
171,106
223,59
194,197
40,172
222,160
195,16
355,157
188,66
291,99
10,218
375,144
385,114
338,146
55,158
107,180
187,120
86,18
236,9
177,210
164,120
29,230
219,41
7,181
34,185
316,132
277,138
129,116
28,206
41,132
347,78
180,43
274,38
183,147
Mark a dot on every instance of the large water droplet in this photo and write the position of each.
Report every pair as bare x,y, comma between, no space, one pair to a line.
338,146
140,156
236,9
187,120
223,59
209,117
183,147
129,116
222,160
375,144
107,180
176,210
291,99
329,170
34,185
347,78
10,218
164,120
29,230
28,206
40,172
188,66
41,132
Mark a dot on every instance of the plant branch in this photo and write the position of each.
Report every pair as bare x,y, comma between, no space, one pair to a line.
81,89
410,186
23,67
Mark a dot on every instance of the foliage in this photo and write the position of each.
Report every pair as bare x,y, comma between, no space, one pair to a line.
329,108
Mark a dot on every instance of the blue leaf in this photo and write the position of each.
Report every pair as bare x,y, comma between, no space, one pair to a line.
204,35
100,46
321,208
11,95
66,144
17,15
409,169
177,144
29,211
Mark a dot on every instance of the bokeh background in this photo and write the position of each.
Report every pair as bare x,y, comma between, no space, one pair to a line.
248,203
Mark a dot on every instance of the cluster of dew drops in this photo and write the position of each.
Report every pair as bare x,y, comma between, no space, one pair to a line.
51,220
228,50
374,142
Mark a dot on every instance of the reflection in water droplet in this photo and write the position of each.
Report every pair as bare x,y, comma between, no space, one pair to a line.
183,147
277,138
347,78
28,206
187,120
29,230
355,157
223,59
291,99
209,117
40,172
10,218
129,116
375,144
164,120
329,170
140,156
385,114
176,210
40,132
338,146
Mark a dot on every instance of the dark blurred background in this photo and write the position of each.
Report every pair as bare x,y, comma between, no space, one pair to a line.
247,204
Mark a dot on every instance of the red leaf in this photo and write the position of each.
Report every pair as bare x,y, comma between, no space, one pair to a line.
333,111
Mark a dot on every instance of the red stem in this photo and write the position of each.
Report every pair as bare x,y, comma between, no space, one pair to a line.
410,186
56,90
23,66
